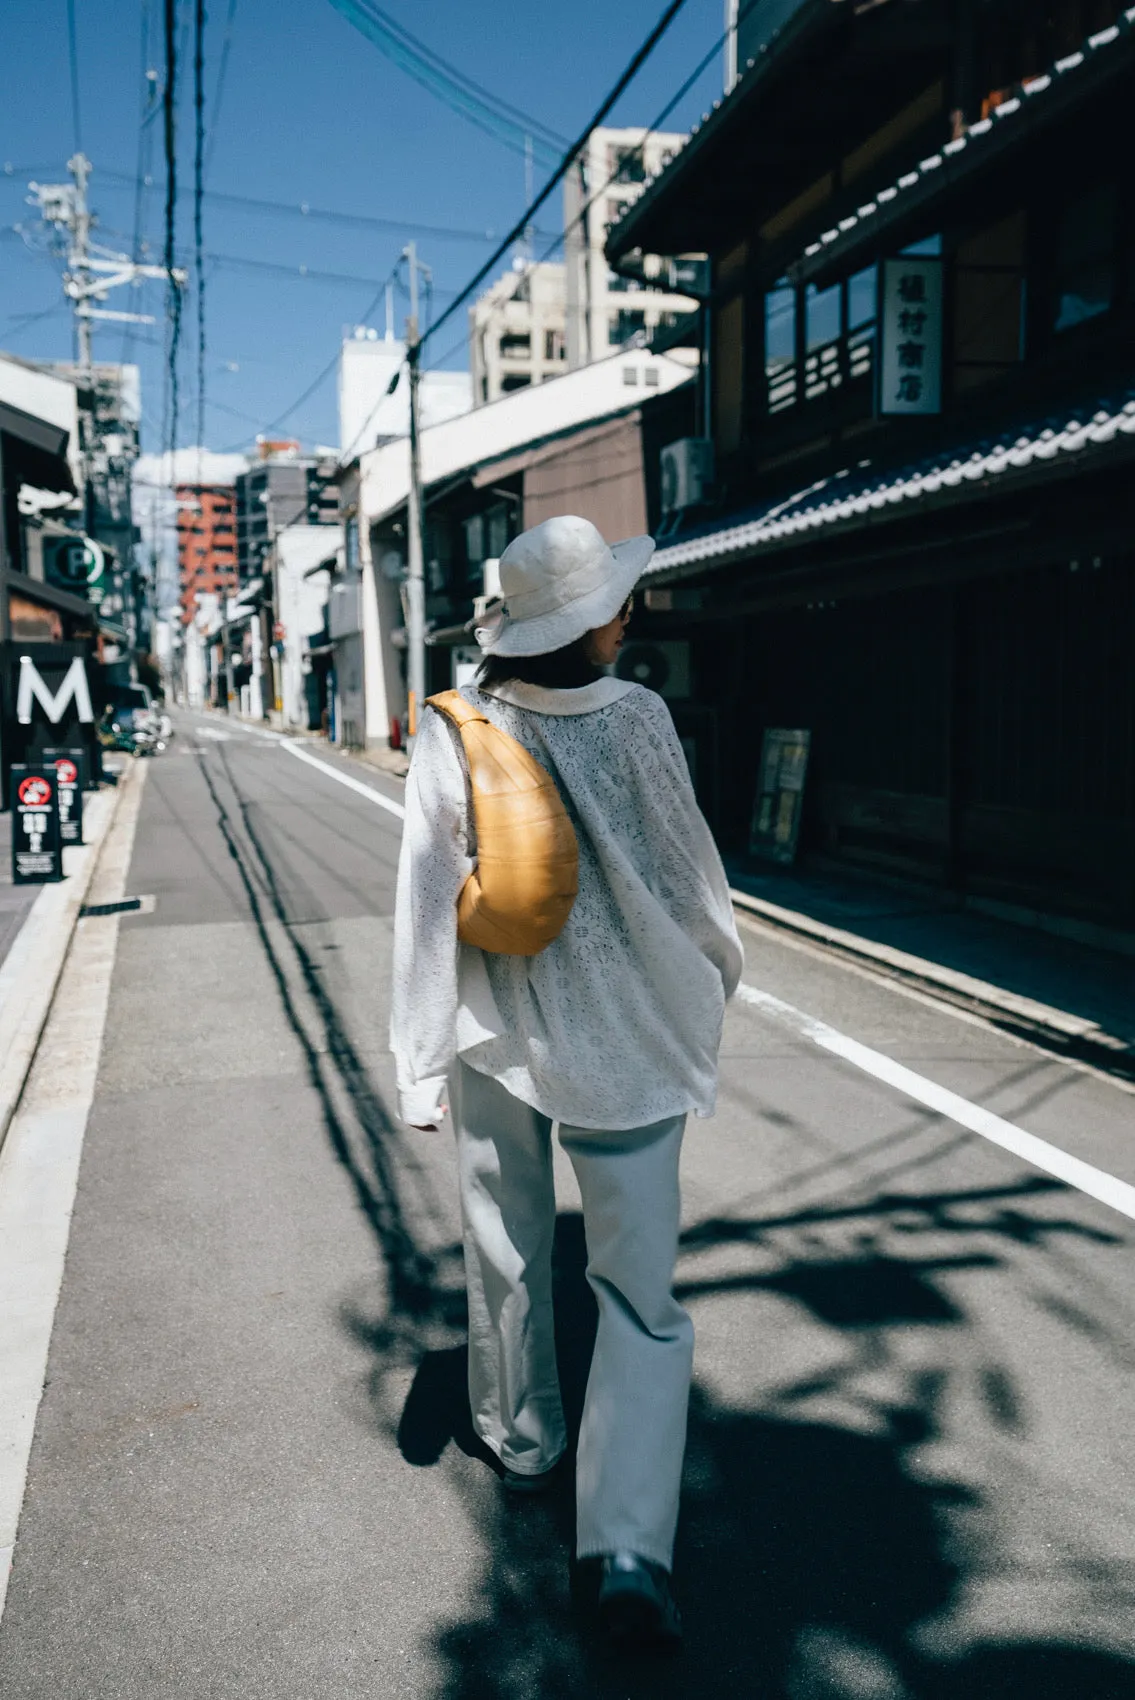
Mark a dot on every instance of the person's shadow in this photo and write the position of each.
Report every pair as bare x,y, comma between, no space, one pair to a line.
807,1553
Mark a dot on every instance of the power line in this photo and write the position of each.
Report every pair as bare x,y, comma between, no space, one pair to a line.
532,126
198,191
323,215
149,104
169,106
73,52
309,274
321,377
497,118
219,91
518,229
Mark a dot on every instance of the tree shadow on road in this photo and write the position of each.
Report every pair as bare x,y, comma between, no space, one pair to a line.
812,1553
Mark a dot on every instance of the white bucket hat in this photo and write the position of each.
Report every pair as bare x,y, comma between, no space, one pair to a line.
559,580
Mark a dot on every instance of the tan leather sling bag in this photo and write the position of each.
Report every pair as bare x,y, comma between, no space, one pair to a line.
520,894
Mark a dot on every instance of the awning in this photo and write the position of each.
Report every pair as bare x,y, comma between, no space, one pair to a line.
50,596
1084,439
35,451
898,212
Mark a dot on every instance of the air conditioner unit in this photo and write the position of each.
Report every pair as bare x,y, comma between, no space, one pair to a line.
687,473
663,667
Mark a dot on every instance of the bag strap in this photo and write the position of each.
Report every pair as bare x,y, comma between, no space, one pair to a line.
455,708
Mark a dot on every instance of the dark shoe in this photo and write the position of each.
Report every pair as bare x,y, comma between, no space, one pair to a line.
636,1607
514,1482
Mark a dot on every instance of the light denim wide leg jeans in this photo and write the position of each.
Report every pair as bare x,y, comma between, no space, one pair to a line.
633,1433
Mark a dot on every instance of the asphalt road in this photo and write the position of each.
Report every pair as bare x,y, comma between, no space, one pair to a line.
910,1460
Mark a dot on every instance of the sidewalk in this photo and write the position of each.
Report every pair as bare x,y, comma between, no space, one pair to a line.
1082,993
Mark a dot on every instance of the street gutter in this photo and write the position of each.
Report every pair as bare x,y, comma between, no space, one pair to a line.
30,971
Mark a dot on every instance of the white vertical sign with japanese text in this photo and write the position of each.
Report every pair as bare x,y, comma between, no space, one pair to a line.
910,325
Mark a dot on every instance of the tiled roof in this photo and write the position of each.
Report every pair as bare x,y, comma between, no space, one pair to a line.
849,496
1028,97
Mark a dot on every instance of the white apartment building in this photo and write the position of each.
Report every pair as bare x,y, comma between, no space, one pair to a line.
541,319
516,331
368,413
604,311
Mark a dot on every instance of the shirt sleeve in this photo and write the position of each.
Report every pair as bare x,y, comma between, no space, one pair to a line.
432,867
691,869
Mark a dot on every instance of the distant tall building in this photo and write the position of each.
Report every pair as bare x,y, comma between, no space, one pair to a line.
206,543
603,310
516,331
283,488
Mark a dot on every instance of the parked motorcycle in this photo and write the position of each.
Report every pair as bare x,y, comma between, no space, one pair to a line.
133,723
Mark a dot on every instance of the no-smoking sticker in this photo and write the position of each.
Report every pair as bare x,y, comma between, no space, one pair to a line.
35,793
37,848
67,771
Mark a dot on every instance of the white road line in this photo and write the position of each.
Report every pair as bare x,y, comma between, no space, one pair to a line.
39,1167
1049,1158
353,784
1096,1183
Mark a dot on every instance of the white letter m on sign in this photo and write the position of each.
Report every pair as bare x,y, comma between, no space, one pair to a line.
33,686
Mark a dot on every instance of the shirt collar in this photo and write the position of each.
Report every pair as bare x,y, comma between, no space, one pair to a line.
542,699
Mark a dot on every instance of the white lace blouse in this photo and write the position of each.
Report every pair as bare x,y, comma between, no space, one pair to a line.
617,1023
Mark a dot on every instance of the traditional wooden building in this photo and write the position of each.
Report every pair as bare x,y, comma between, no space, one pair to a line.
918,544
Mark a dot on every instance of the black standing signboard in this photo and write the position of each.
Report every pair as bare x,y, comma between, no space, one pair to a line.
779,802
70,770
37,850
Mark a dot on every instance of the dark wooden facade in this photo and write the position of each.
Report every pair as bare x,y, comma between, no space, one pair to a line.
964,664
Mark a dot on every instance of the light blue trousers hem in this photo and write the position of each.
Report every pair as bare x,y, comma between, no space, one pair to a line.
633,1434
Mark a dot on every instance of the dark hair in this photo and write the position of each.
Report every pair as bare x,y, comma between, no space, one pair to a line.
560,669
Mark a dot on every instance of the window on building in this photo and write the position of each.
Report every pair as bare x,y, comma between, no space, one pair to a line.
475,550
498,530
780,346
837,327
626,324
515,381
862,314
516,345
1085,258
821,316
626,165
553,345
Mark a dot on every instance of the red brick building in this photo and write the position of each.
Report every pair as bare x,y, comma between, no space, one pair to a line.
206,542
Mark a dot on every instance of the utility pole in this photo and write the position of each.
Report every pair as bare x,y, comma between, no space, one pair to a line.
80,169
226,650
92,270
415,565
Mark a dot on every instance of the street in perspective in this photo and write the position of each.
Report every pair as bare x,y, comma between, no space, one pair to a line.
567,907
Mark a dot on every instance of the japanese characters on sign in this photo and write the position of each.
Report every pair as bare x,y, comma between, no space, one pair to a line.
69,766
36,844
910,325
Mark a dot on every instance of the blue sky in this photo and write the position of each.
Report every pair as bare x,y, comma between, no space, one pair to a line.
312,112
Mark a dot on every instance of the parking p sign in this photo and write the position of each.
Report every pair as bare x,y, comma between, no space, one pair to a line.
37,850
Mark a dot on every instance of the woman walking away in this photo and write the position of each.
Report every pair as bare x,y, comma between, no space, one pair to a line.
611,1030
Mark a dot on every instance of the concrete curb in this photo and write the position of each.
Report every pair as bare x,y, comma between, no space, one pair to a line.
1074,1033
31,970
